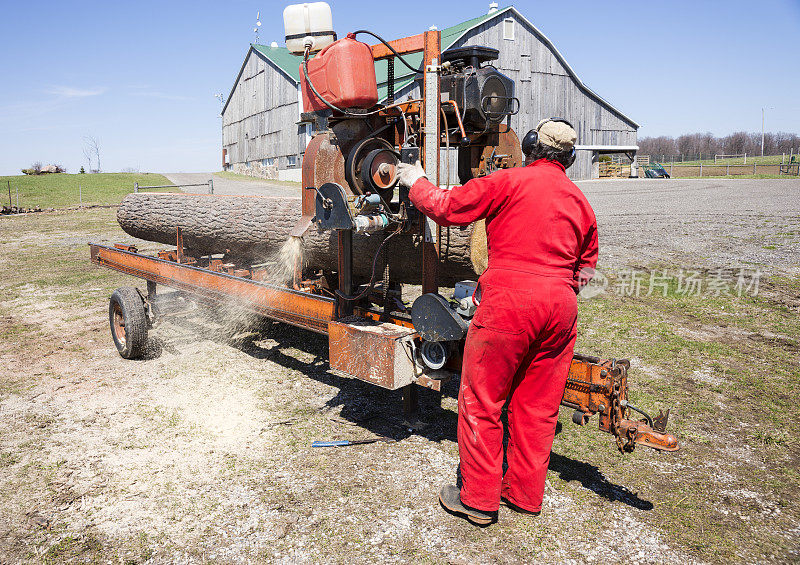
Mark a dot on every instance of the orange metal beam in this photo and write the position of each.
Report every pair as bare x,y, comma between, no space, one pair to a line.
308,311
405,45
592,385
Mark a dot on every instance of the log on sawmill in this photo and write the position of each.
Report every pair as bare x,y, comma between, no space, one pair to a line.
253,229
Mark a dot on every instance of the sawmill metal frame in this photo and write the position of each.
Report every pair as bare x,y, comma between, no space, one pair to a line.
365,343
371,347
213,282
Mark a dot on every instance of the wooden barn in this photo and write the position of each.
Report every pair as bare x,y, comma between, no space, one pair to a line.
262,136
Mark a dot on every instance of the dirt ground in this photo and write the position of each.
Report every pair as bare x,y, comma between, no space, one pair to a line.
201,452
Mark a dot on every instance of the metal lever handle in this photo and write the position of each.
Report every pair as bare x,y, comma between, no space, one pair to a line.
327,203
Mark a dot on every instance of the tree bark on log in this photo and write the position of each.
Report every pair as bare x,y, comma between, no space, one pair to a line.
252,229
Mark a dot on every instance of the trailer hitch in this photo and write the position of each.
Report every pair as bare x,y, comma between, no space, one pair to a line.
596,386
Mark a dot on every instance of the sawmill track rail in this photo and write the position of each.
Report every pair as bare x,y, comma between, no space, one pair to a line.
301,309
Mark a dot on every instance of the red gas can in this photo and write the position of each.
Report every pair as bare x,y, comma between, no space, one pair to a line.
344,74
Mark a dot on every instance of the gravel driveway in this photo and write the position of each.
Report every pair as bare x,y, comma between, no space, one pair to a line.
228,186
701,223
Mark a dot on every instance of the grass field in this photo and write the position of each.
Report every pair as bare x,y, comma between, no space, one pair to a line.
62,190
751,177
726,169
728,367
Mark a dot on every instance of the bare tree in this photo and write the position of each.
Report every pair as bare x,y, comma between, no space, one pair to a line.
689,144
737,143
88,155
786,142
770,147
91,149
707,143
662,145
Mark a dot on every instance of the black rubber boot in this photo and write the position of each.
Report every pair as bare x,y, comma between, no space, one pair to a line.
450,499
507,503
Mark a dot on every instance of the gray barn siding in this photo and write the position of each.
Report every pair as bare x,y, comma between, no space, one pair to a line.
260,119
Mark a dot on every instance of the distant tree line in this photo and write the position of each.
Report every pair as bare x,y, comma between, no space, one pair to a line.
707,144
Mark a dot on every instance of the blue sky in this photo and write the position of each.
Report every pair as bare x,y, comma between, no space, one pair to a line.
141,76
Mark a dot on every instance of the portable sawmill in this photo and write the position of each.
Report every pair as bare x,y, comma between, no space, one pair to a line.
363,240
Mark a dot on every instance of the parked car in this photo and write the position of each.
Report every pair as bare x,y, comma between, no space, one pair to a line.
656,171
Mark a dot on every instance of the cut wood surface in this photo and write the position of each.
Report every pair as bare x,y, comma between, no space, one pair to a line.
253,229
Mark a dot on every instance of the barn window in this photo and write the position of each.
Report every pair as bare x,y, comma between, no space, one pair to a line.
292,160
508,29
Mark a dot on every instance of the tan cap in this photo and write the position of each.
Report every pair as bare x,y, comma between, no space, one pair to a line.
558,135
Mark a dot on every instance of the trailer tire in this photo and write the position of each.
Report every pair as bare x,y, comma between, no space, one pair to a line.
128,321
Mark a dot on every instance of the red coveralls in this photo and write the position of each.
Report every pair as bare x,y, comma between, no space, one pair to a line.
542,241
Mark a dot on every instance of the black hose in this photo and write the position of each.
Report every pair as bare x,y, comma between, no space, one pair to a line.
373,278
396,54
627,404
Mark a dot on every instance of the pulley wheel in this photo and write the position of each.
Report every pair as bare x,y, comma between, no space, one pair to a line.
355,163
379,170
434,354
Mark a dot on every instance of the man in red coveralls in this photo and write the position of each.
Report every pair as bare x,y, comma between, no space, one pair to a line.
542,242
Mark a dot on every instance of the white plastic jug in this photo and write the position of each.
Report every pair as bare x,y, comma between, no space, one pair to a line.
308,23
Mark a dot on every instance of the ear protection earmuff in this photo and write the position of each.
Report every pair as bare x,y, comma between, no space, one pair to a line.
532,137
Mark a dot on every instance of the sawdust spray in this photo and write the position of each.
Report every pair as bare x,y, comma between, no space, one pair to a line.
235,315
287,261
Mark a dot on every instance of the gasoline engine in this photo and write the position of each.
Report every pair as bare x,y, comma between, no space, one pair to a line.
358,142
456,98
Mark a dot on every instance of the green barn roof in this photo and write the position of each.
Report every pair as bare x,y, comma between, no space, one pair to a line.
280,56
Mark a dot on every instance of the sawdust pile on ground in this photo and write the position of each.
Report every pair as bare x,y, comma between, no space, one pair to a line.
205,456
